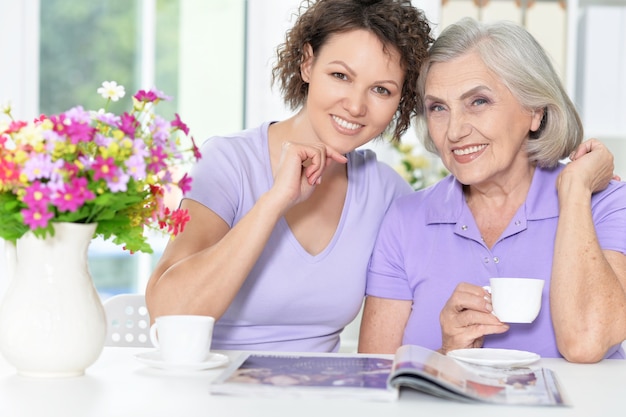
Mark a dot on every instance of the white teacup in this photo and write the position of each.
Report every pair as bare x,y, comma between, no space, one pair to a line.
516,300
183,338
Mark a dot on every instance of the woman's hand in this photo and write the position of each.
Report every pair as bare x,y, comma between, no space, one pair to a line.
300,169
466,318
592,163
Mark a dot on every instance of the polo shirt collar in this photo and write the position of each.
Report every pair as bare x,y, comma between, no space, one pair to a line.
447,202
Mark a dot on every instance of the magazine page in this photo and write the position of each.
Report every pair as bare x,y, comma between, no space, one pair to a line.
322,375
423,369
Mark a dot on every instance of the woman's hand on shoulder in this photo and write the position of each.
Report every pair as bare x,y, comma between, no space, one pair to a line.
592,164
467,317
301,168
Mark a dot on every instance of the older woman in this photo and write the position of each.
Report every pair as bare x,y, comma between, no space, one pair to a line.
500,119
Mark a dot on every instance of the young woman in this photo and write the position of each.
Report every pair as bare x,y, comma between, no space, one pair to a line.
284,216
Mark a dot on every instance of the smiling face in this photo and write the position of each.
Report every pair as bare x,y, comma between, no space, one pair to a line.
354,89
477,125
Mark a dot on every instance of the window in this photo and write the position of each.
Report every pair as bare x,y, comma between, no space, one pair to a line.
138,44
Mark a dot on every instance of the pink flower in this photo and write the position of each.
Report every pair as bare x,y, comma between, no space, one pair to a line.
15,126
36,216
128,124
119,181
157,158
185,183
9,172
103,168
179,124
73,195
37,195
59,123
179,219
196,150
146,96
79,132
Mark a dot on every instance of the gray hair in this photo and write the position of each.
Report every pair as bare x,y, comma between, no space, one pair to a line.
523,66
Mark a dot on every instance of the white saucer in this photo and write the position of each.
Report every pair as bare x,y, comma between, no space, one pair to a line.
495,357
153,358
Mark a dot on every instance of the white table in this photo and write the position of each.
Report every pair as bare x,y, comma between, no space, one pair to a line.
118,385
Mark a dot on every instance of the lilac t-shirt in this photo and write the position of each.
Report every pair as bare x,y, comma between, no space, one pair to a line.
292,300
429,242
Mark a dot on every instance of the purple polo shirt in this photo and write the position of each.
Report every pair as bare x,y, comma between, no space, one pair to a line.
429,242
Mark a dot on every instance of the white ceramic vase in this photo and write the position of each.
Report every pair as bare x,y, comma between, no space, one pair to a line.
52,323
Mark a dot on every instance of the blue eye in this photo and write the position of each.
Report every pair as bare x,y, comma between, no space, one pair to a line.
480,101
435,108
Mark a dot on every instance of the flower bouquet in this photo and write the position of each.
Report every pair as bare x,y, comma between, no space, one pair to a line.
85,166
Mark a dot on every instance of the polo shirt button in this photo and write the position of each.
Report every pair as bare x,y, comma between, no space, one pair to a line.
486,260
464,227
496,259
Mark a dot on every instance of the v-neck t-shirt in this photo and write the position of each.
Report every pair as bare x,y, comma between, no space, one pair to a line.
292,300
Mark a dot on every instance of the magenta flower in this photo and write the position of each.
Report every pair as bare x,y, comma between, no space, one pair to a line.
79,132
73,195
179,124
104,168
157,159
146,96
185,183
128,124
195,149
59,123
36,216
37,195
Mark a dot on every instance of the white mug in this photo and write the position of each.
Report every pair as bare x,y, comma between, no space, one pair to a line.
515,300
183,338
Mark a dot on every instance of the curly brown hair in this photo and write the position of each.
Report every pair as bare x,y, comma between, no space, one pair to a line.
397,23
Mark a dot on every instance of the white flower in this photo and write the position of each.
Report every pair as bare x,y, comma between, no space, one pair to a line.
110,90
6,108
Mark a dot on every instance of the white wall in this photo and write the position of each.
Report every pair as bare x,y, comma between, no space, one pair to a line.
601,77
19,49
211,66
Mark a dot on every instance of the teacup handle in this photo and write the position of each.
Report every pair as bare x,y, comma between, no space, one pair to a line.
153,335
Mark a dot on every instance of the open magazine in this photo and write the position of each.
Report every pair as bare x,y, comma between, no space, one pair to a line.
380,377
